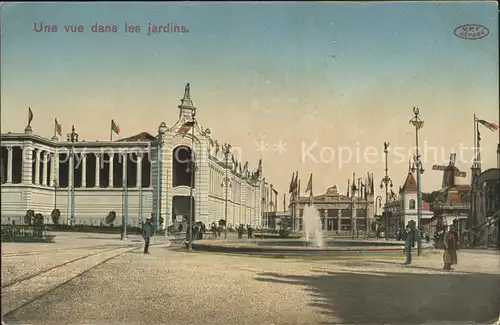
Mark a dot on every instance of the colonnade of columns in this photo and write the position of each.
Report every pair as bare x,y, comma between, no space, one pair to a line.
46,168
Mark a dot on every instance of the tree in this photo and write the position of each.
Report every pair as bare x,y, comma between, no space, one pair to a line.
28,218
285,225
431,197
222,223
110,218
38,225
55,214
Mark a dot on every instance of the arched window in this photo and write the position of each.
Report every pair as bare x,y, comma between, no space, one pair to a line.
182,171
412,204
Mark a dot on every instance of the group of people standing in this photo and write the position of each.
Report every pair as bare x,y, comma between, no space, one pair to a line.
450,241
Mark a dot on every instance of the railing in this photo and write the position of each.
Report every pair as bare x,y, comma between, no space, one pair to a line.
34,231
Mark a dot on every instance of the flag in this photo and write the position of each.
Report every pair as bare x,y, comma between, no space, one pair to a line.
296,183
186,127
114,127
293,183
478,136
417,124
309,187
58,128
490,126
30,115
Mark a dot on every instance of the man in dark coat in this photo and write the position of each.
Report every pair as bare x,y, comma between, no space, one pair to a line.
147,233
450,248
409,238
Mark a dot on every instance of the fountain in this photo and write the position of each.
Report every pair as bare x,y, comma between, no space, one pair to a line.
312,225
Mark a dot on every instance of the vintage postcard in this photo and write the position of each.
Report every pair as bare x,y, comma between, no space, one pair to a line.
250,162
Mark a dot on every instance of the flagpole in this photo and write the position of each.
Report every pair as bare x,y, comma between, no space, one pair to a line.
297,212
284,202
111,132
475,141
473,181
125,199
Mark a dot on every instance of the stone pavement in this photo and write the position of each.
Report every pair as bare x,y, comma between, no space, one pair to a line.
173,286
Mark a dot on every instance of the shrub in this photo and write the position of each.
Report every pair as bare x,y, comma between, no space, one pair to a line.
55,214
284,233
110,218
28,218
38,219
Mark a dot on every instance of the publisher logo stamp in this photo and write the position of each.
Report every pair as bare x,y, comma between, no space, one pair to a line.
471,31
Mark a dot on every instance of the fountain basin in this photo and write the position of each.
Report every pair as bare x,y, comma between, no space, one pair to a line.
296,247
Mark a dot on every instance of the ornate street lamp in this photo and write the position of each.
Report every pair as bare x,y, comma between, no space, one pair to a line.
72,137
417,167
226,182
160,142
191,169
387,183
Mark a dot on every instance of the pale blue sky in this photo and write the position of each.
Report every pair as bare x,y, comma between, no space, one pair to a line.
261,69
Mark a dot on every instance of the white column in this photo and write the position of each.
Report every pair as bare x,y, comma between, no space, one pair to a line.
84,170
27,160
37,167
45,169
97,170
339,220
9,165
111,157
138,178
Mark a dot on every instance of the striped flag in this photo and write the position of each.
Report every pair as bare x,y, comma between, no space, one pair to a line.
186,127
57,128
490,126
294,183
114,127
309,187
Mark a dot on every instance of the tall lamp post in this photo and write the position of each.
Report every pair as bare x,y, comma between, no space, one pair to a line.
226,149
161,131
191,169
378,205
387,183
72,137
417,167
141,217
125,198
56,187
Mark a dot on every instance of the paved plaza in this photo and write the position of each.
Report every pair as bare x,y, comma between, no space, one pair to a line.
109,281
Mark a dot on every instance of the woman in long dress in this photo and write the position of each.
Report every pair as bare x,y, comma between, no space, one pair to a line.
450,248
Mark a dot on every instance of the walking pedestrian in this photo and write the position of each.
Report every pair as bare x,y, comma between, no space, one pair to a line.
450,248
409,239
147,233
